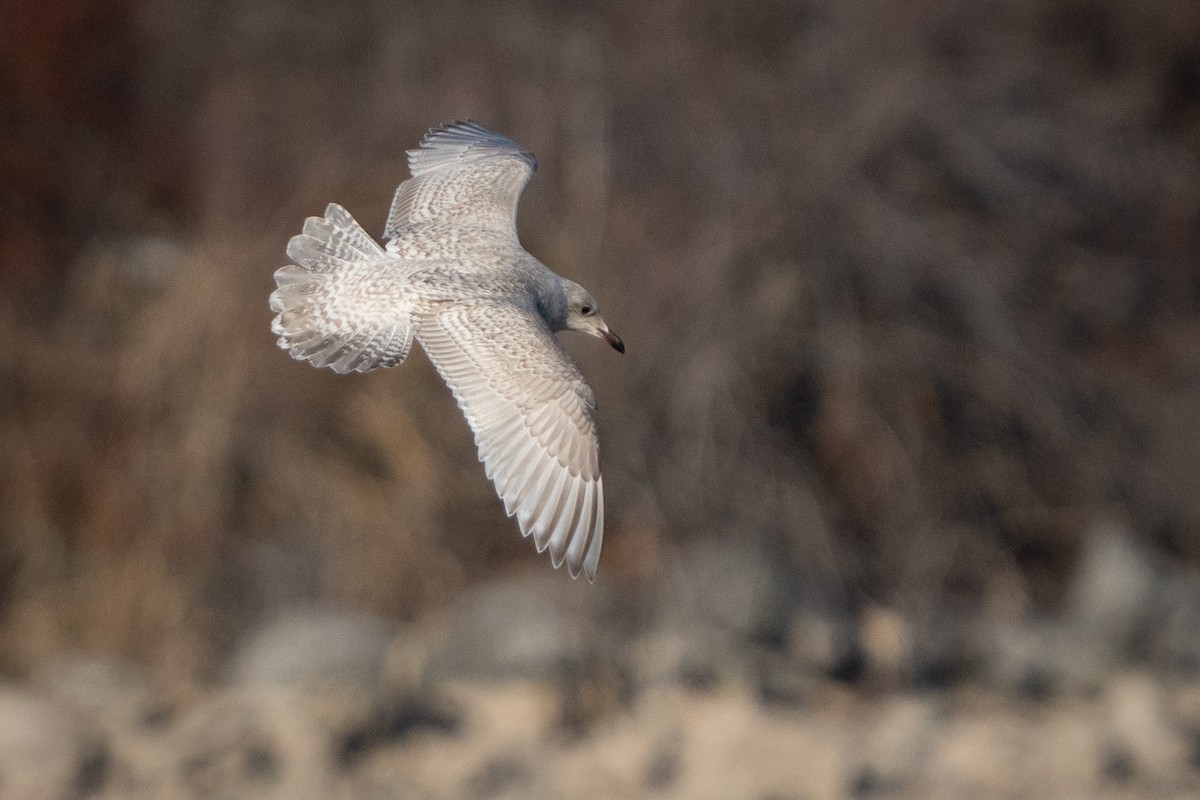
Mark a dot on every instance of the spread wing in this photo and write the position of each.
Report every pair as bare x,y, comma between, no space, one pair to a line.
532,415
465,174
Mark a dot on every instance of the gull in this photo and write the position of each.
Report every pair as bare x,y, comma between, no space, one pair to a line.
454,276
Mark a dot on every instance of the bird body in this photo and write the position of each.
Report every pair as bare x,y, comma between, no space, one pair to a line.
454,276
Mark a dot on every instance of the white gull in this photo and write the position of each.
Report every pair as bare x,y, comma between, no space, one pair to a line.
454,276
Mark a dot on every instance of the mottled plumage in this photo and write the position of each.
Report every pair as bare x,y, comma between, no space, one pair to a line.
454,276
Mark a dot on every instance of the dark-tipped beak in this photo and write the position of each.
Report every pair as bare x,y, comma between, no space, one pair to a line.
614,340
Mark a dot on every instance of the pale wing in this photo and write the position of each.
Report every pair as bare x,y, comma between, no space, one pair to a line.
464,174
532,415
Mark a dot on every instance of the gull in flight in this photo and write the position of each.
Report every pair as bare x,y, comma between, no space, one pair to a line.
454,276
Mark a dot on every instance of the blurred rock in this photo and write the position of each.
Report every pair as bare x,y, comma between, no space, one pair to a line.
316,649
827,643
780,679
505,778
1139,726
731,747
111,693
339,665
974,757
1062,752
818,645
946,648
1112,599
1184,704
887,643
816,642
44,753
899,737
1178,642
988,747
1113,611
1037,659
151,261
510,733
261,743
731,587
688,655
718,611
539,628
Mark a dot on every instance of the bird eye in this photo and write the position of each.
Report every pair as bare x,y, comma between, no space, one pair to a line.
585,310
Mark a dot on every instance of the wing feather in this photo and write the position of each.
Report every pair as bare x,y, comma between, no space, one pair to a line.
532,415
583,528
464,174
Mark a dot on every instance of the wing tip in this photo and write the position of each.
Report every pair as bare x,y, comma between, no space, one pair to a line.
454,141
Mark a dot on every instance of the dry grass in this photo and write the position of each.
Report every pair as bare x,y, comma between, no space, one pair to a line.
910,297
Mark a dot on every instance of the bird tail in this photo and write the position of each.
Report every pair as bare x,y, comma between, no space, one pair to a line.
322,318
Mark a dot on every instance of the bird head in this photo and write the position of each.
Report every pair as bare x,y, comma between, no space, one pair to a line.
584,315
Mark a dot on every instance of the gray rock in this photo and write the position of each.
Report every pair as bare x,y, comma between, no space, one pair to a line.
1035,659
900,734
817,642
261,743
112,694
537,628
316,650
1112,599
826,643
337,665
44,752
691,655
1112,611
1178,643
729,587
887,643
1139,727
718,609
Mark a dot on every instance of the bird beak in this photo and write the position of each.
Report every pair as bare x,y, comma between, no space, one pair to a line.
612,339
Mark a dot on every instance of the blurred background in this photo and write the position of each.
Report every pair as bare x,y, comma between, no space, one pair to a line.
903,461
